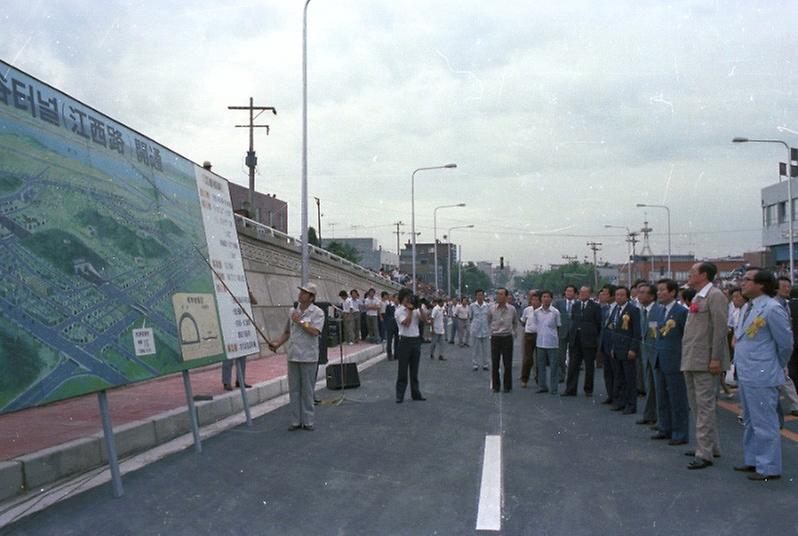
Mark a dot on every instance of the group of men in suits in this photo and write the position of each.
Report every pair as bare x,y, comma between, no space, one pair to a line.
683,350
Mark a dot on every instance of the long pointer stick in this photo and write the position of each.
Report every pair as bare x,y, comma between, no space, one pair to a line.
199,252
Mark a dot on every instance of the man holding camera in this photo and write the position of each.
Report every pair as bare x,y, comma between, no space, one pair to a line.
408,316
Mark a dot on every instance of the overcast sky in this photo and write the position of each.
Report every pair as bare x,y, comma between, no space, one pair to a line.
560,119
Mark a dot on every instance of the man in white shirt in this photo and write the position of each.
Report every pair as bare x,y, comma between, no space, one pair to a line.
352,317
546,322
408,319
438,330
461,317
373,306
530,337
480,330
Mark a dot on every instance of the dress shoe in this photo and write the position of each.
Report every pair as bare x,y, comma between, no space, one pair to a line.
476,369
307,427
692,453
294,427
227,387
485,368
629,411
419,398
660,436
677,442
496,390
399,400
441,358
644,421
507,389
432,356
616,408
246,385
763,478
745,468
568,393
542,390
699,463
607,401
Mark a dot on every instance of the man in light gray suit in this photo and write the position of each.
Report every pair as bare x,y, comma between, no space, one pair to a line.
705,355
564,305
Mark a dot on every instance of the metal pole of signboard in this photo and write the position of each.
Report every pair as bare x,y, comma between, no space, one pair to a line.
192,412
241,386
110,445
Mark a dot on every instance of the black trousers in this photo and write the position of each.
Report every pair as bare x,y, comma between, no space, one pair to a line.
409,353
609,375
530,342
792,367
391,340
625,380
579,354
501,350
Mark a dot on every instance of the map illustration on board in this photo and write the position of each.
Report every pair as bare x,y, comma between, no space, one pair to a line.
98,228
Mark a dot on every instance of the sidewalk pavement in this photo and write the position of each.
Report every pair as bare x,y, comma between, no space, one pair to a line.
34,429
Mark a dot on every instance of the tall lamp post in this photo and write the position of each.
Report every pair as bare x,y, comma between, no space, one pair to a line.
413,210
628,232
449,253
789,195
642,205
305,249
435,235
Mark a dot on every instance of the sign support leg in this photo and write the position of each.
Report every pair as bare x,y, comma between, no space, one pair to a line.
241,386
110,445
192,412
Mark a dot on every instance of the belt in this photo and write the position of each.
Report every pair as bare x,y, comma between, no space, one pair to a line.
404,338
497,335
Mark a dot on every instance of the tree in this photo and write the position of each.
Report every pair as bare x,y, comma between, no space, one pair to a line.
347,251
473,278
313,239
558,278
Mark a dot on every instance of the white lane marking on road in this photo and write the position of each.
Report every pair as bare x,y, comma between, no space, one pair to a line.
489,513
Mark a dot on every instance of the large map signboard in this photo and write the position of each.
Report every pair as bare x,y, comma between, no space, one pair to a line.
101,282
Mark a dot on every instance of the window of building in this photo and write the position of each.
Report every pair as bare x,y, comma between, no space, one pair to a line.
782,212
769,215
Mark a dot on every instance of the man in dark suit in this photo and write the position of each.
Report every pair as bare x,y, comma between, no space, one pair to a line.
673,413
625,323
585,328
565,306
649,311
607,304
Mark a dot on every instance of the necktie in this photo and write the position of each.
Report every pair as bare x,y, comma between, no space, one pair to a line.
568,306
746,313
645,323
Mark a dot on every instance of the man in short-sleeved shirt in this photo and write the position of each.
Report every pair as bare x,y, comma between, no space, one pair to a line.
302,334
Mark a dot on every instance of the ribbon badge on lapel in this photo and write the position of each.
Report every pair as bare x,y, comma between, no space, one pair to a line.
625,324
755,326
669,325
694,307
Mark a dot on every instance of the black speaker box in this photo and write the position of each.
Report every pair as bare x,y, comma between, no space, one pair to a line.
348,380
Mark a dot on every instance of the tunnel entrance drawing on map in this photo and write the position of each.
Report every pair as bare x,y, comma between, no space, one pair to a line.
97,231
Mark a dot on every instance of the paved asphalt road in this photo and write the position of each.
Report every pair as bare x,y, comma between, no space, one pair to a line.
570,467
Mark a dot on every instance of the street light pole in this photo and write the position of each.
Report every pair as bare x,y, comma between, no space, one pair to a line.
789,196
304,223
413,211
435,235
641,205
449,253
628,233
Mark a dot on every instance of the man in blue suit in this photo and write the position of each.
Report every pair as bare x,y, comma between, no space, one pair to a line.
625,323
763,345
673,412
607,301
649,311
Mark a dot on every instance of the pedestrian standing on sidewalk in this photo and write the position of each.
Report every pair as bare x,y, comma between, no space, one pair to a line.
391,330
503,321
480,331
438,330
461,318
302,334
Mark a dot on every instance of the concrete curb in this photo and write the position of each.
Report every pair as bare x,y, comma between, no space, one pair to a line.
26,473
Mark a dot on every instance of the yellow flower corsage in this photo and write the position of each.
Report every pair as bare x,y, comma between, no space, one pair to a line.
625,324
669,325
652,332
755,326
